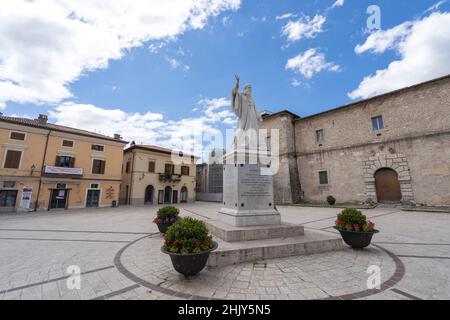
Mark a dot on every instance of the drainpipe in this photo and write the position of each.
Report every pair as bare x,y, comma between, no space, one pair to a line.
131,179
42,170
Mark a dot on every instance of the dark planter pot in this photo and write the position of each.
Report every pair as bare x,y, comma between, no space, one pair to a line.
163,226
191,263
357,240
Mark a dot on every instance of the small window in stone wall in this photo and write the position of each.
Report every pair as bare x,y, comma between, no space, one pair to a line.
323,177
320,135
377,123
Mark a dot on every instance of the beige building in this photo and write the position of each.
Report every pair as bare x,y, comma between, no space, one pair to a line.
151,176
46,166
391,148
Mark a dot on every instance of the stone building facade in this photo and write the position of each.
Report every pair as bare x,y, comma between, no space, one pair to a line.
391,148
156,175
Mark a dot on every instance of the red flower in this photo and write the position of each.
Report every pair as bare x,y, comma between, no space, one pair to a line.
339,222
357,227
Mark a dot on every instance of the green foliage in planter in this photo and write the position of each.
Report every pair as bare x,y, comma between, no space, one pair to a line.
167,212
353,220
187,235
331,200
352,216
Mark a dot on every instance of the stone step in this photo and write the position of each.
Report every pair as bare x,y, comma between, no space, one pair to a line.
230,233
229,253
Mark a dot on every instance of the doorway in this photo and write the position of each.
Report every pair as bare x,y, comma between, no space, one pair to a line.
58,198
8,200
387,186
168,195
184,194
175,196
93,198
148,198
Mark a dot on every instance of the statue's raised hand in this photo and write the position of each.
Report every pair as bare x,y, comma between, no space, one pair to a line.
238,79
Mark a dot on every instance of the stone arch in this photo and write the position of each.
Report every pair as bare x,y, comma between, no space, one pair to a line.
396,162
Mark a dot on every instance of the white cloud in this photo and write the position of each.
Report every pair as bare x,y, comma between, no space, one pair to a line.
295,82
338,3
47,45
310,63
423,47
382,40
286,16
177,64
305,27
436,6
149,127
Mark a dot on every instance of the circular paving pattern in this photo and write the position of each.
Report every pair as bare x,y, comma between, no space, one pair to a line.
334,275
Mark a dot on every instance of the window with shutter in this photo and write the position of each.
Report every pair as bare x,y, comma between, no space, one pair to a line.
17,135
184,170
98,166
65,161
151,166
169,168
12,159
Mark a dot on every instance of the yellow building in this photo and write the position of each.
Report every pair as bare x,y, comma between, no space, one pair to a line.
151,175
46,166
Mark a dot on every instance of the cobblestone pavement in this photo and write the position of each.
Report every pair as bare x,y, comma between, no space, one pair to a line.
118,253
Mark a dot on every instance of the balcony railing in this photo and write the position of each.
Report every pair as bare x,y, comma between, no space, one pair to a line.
63,171
168,177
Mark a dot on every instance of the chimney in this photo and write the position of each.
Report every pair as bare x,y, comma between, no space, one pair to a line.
42,118
117,136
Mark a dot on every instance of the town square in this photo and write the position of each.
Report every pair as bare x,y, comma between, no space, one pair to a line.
224,151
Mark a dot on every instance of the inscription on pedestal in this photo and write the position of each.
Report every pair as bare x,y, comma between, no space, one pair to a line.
254,184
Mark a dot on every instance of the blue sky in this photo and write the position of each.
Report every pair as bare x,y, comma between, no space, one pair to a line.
177,73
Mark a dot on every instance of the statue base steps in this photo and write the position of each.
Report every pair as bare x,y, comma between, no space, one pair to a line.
229,253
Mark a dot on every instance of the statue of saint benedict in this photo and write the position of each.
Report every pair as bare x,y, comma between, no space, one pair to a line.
248,116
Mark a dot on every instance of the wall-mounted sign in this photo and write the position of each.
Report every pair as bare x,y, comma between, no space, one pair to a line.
63,170
26,197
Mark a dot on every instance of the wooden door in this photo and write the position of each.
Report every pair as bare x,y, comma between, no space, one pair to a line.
387,186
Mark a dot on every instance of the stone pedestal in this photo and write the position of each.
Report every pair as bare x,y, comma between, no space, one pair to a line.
248,227
247,192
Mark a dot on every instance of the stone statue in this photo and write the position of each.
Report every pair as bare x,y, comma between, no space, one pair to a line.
248,116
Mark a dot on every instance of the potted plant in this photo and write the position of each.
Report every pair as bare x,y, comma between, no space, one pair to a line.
165,217
355,230
331,200
188,244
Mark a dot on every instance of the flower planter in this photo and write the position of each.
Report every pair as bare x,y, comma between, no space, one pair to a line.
163,226
189,264
357,240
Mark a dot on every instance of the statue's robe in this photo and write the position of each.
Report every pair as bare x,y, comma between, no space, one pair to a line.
248,118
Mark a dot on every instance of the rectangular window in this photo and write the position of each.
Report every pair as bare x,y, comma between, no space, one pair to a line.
9,184
17,135
65,161
61,186
98,147
269,144
98,166
320,136
12,160
323,177
151,166
184,170
169,168
67,143
127,168
94,185
377,123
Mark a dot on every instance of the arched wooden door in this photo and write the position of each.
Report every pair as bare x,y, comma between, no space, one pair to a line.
149,195
387,186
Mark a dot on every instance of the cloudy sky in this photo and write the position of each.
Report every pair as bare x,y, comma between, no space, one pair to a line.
158,71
